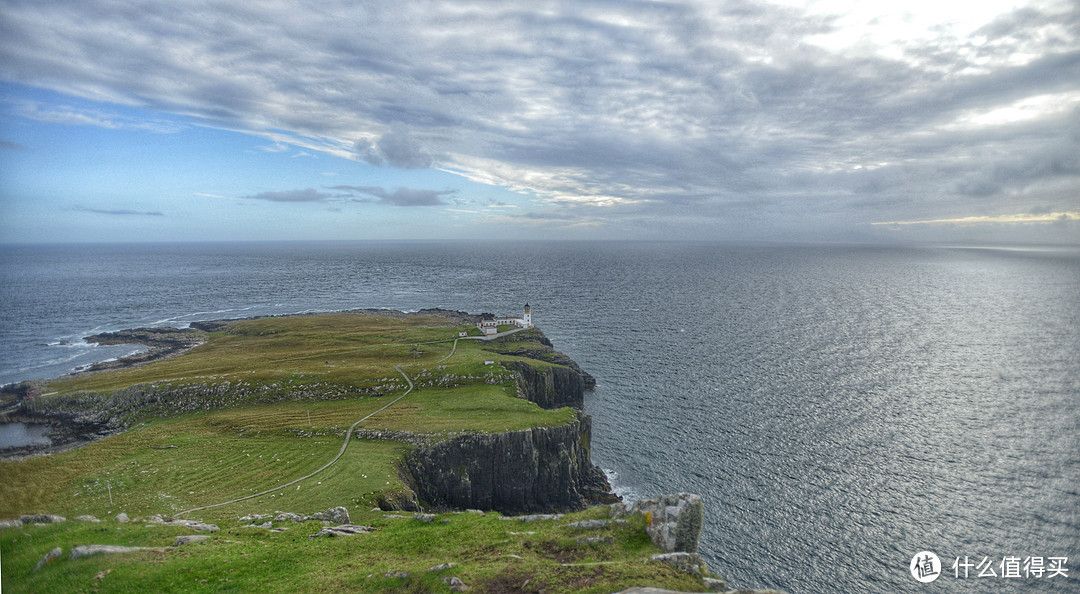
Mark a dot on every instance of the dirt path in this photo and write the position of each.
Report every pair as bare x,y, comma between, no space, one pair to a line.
348,435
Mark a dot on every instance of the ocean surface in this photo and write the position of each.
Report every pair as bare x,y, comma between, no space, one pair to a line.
840,409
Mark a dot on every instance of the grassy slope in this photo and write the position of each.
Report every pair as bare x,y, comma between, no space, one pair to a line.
228,453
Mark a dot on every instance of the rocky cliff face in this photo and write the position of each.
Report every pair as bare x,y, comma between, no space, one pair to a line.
549,386
535,470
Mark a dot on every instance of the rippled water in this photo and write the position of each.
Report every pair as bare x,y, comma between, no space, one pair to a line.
839,408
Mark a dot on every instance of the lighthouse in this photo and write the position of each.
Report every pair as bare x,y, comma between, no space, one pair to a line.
527,318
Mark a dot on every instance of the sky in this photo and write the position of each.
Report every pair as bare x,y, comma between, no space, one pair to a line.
831,120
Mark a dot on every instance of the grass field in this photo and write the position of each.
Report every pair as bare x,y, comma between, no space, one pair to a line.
166,465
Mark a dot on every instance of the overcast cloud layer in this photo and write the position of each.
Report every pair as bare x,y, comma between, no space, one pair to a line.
631,117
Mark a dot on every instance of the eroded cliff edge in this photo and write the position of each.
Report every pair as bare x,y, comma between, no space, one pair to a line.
543,469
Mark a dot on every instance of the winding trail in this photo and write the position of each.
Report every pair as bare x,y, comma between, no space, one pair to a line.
344,445
349,433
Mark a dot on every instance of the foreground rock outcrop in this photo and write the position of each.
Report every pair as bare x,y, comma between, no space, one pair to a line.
673,522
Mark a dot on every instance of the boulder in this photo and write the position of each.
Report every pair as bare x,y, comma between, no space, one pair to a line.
455,583
16,523
90,519
122,518
442,567
589,524
42,519
685,562
190,538
81,551
50,556
674,521
342,530
336,515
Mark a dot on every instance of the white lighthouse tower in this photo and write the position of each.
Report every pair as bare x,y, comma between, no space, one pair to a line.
527,318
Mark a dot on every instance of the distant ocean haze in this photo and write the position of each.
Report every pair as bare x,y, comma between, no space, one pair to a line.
839,408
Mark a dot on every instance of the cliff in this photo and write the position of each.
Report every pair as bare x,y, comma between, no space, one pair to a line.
542,469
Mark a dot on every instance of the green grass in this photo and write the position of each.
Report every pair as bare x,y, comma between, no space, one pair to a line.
166,465
491,555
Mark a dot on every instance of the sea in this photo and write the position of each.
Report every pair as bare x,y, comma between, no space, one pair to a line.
841,409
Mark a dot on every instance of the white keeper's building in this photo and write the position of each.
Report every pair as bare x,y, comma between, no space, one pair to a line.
490,325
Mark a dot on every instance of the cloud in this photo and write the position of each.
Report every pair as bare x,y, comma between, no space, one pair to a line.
123,213
740,115
396,149
306,195
401,196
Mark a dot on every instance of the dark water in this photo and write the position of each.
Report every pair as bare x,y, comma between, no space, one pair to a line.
839,408
14,435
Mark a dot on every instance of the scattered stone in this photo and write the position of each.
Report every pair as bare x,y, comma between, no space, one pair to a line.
193,524
475,511
403,575
441,567
530,533
716,584
286,516
685,562
16,523
81,551
50,556
342,530
122,518
394,517
595,540
254,517
190,538
168,447
674,520
337,515
42,519
265,525
90,519
589,524
425,518
532,518
456,585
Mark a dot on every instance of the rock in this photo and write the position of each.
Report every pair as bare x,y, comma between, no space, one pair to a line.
715,584
16,523
342,530
50,556
402,575
532,518
441,567
595,539
122,518
675,520
254,517
190,538
265,525
478,512
286,516
90,519
337,515
81,551
42,519
394,517
456,585
683,561
589,524
193,524
425,518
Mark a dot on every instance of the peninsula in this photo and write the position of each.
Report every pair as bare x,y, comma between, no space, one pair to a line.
411,437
